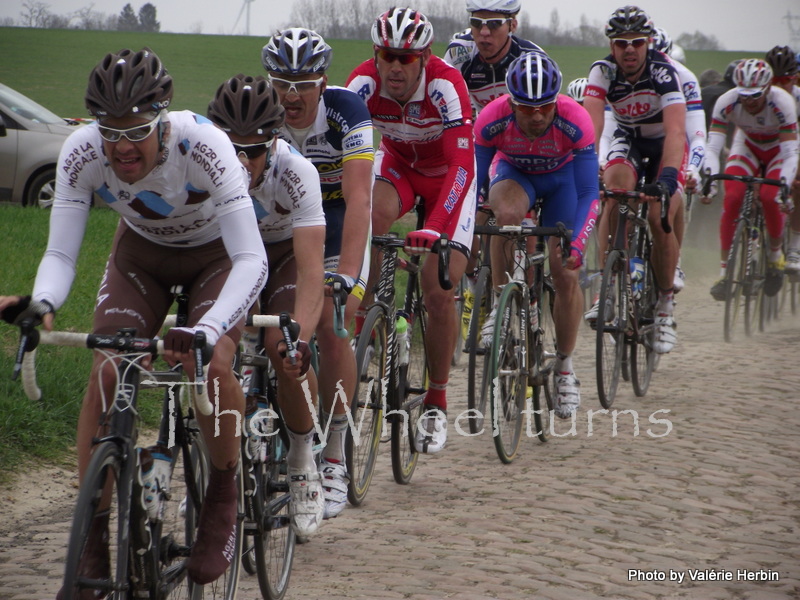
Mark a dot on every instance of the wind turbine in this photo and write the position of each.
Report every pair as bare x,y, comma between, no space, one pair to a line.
246,5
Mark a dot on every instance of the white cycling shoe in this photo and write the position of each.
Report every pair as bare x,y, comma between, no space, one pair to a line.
431,431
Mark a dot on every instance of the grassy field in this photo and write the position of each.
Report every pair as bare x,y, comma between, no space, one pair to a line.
52,65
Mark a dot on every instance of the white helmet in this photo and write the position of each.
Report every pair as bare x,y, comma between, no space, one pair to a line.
402,29
678,54
507,7
577,88
751,76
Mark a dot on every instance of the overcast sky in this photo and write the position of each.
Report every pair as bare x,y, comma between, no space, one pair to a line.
737,24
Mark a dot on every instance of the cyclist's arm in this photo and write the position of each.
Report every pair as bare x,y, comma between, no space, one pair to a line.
249,271
357,190
674,142
588,206
459,154
696,133
788,152
309,244
483,158
604,141
596,108
57,269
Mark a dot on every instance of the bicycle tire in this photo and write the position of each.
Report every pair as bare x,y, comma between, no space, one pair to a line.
367,409
546,342
756,276
106,461
461,289
478,365
735,279
508,372
610,336
642,355
274,539
410,395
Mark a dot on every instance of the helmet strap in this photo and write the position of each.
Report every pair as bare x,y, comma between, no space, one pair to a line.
504,48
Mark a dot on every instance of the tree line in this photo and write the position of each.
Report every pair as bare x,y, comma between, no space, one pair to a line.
346,19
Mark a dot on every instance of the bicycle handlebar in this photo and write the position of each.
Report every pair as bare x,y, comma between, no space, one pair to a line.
659,190
442,247
749,180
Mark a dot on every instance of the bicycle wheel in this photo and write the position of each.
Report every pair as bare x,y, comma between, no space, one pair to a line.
508,372
364,438
756,275
610,344
268,518
642,356
736,279
93,524
477,380
461,289
411,395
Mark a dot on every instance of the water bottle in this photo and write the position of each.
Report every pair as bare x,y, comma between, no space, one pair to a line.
403,343
637,276
255,429
155,463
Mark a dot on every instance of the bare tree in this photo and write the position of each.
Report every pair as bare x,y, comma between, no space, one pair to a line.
35,14
7,22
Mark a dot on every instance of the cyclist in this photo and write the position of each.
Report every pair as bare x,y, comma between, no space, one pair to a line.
545,144
331,127
644,91
765,142
484,52
292,227
712,92
186,219
784,75
421,107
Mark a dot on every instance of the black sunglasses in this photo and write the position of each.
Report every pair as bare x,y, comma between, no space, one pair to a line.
252,151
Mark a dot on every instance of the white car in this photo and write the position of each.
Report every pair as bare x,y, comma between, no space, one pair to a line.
30,141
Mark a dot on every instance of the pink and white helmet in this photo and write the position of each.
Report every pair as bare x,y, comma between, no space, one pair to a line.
752,76
402,29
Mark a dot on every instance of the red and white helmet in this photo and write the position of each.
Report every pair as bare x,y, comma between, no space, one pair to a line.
752,76
506,7
402,29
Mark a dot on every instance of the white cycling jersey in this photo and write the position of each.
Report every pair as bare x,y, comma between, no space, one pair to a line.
289,196
197,193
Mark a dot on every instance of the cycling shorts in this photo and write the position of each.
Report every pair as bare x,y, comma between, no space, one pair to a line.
409,184
334,227
557,189
139,274
632,151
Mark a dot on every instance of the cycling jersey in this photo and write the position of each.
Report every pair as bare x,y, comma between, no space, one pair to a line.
638,106
695,119
560,165
431,133
197,193
485,81
341,132
759,132
289,196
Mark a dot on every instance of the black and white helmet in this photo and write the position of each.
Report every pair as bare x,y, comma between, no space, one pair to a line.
296,51
506,7
661,41
629,19
577,88
402,29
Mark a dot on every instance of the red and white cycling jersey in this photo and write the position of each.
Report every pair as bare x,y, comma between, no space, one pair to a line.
431,133
759,132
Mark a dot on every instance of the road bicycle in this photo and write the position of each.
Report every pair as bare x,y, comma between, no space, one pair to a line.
747,258
147,556
625,325
392,367
522,353
269,540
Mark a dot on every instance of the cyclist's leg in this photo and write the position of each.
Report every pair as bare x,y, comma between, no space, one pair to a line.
775,221
296,400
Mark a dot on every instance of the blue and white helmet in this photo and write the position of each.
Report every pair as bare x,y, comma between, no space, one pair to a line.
296,51
661,41
506,7
533,78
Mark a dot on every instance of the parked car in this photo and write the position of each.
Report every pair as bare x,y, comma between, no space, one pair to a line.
30,141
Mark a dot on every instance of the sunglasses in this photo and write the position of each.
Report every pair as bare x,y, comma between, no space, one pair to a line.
527,109
406,58
253,151
492,24
134,134
622,43
284,86
751,97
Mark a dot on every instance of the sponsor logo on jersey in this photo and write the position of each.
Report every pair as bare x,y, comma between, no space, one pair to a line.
463,143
